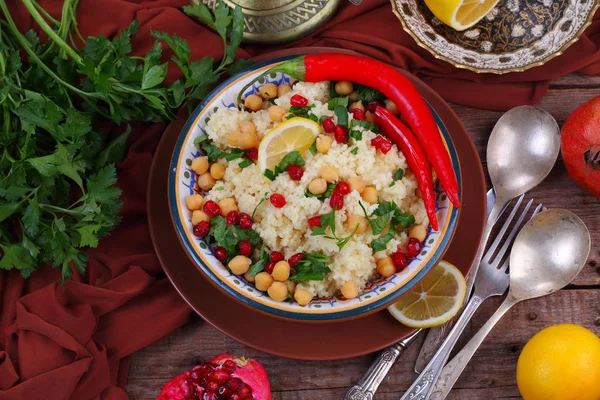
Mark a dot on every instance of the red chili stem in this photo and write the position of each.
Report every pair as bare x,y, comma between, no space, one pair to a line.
402,136
395,86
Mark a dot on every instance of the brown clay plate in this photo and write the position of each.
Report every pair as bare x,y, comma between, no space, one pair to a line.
329,341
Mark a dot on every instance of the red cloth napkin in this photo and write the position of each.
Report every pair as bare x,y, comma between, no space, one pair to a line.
74,342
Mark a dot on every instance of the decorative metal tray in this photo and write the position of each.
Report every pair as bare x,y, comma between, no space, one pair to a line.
515,35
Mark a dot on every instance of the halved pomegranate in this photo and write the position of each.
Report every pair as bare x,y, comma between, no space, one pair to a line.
222,378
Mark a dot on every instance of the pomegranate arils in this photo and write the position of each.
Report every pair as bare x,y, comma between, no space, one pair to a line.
400,261
270,267
357,113
295,172
246,248
293,260
252,154
413,248
276,256
298,101
213,386
277,200
211,208
315,221
328,125
244,390
343,188
337,200
341,134
220,253
202,229
233,217
381,144
245,221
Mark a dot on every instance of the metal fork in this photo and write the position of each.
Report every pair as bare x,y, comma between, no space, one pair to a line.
490,281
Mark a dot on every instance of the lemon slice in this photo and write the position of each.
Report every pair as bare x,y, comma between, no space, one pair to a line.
460,14
434,300
295,134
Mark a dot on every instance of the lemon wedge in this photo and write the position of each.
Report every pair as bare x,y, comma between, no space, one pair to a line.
460,14
434,300
295,134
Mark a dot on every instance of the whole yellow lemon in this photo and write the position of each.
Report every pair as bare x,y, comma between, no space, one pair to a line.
561,362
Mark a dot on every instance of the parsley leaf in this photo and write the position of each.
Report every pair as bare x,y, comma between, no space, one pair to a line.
313,148
380,243
369,126
327,194
399,174
245,163
354,151
342,115
337,101
328,221
214,153
290,158
367,94
313,267
259,265
355,134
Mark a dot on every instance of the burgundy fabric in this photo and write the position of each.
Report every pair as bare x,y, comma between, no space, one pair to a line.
74,341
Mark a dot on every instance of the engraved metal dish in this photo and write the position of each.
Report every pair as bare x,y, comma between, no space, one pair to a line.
277,21
515,35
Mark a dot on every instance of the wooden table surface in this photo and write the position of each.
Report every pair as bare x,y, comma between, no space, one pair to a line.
490,375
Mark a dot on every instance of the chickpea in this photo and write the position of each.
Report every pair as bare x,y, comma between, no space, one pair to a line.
247,140
239,265
329,173
385,266
317,186
194,202
281,271
206,182
217,170
278,291
291,286
283,89
233,138
253,102
199,216
359,220
418,232
247,127
227,204
369,195
276,113
200,165
249,278
324,143
263,280
303,296
369,116
357,105
343,88
268,91
391,107
349,290
353,96
357,184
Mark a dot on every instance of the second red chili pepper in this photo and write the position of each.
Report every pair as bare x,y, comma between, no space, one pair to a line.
399,133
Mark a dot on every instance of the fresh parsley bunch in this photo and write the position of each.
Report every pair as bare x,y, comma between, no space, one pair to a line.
57,172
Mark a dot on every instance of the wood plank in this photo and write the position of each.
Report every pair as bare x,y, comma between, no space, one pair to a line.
490,375
575,80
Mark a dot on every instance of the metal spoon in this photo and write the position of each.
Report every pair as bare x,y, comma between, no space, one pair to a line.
521,152
547,255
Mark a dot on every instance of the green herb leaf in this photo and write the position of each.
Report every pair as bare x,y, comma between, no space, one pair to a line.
259,265
355,134
342,115
115,150
369,126
313,148
337,101
399,174
313,267
293,157
245,163
265,197
367,94
154,76
380,243
354,151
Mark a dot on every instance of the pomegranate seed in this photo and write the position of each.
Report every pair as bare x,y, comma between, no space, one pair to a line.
381,144
230,365
269,267
315,221
220,253
233,217
293,260
245,248
234,384
413,248
243,215
295,172
235,396
211,208
244,390
328,125
337,200
245,223
219,376
341,134
276,256
400,261
212,386
343,188
252,154
358,114
298,101
202,229
277,200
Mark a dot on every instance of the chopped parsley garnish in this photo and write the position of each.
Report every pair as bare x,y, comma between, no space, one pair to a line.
293,157
328,221
324,195
313,267
266,196
245,163
214,153
367,94
380,244
354,151
228,236
313,148
387,213
337,101
399,174
342,115
259,265
355,134
365,124
303,112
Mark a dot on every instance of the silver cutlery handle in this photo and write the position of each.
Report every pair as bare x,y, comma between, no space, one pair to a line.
423,385
367,386
456,366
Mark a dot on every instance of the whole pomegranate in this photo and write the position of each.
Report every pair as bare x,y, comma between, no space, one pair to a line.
222,378
580,146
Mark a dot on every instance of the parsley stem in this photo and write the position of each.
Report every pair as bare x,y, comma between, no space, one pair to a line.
59,209
45,13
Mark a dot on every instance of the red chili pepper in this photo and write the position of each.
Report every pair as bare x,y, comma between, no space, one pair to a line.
415,157
394,85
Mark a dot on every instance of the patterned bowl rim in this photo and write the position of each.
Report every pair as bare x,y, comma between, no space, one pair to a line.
445,235
523,68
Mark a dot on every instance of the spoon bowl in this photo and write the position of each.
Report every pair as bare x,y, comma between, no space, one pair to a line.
548,253
522,150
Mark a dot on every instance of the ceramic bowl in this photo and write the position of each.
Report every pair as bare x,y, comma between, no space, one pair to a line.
377,295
